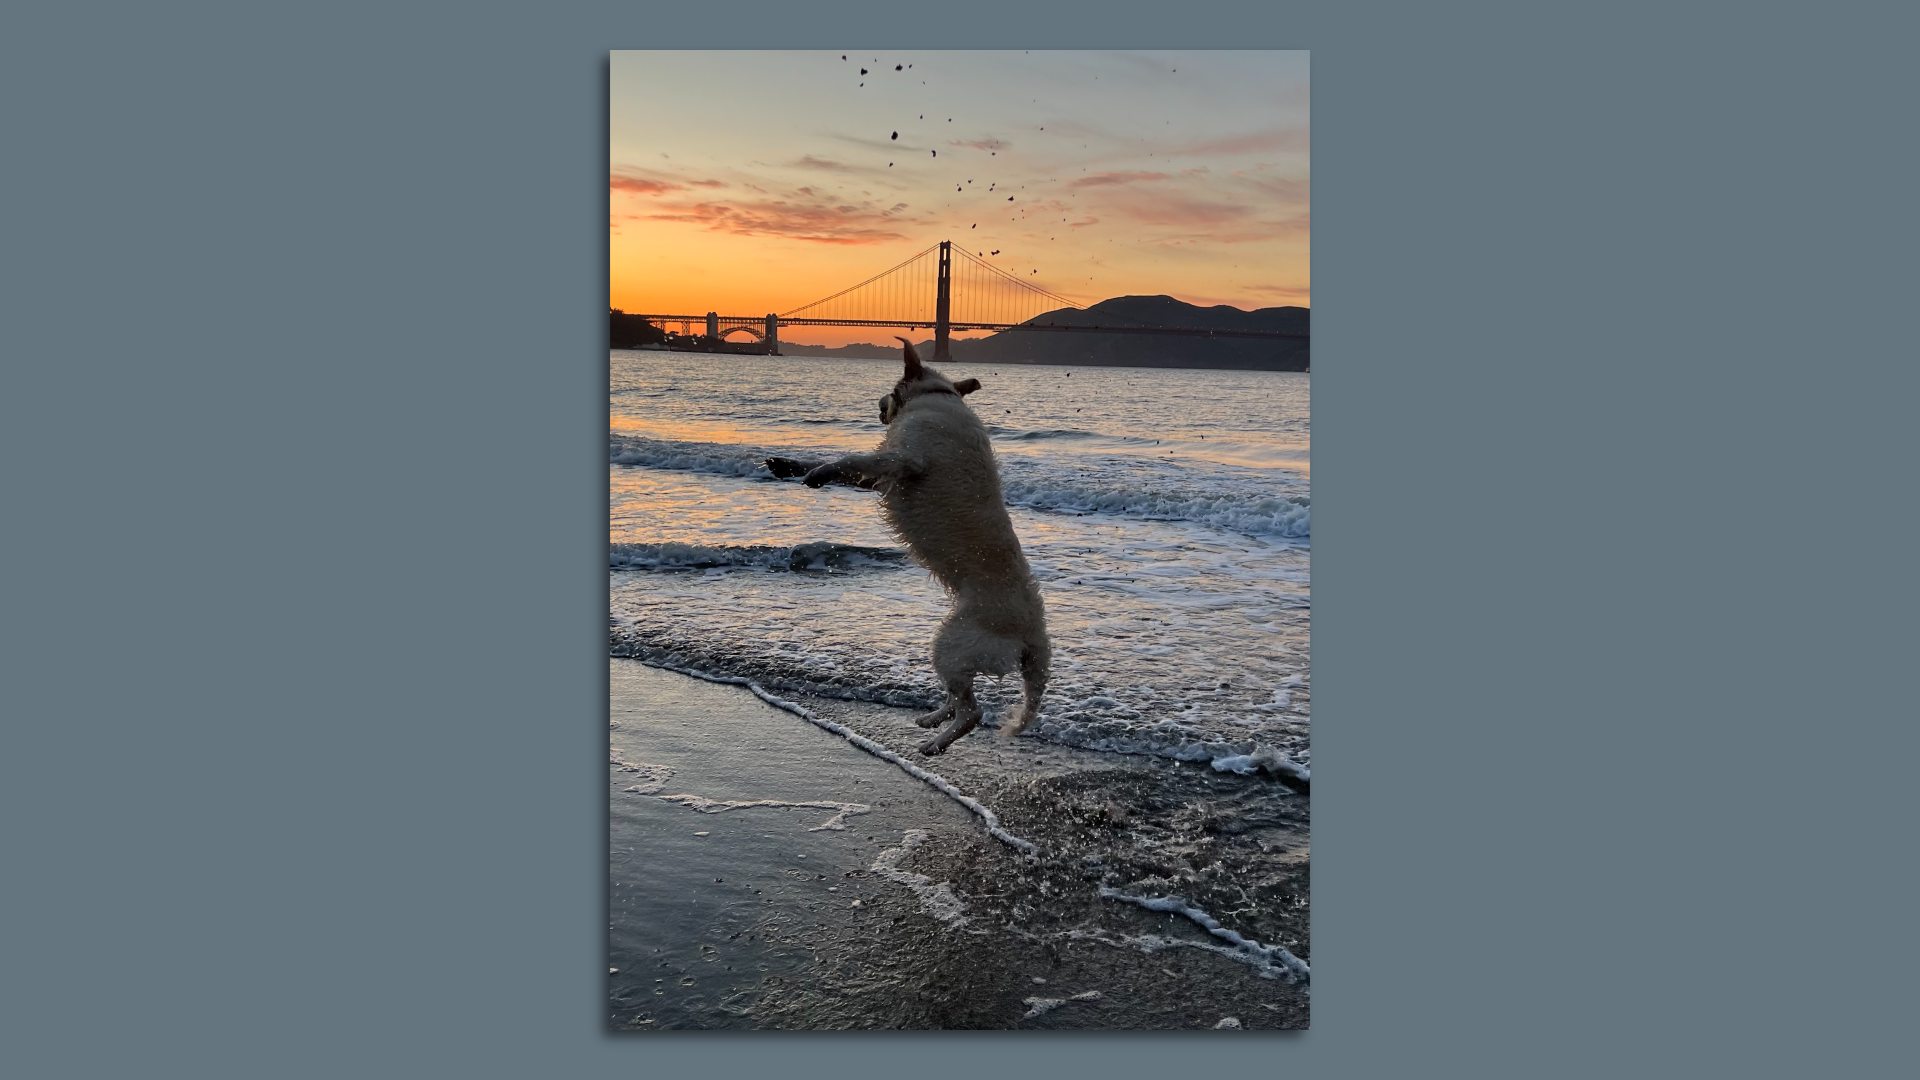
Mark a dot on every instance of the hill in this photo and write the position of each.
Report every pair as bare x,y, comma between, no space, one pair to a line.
1150,350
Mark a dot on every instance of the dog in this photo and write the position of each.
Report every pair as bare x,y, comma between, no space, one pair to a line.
940,492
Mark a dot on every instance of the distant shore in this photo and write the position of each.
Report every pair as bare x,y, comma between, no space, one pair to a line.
863,351
1089,348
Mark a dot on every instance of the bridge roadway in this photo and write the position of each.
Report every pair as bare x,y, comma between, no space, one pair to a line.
757,322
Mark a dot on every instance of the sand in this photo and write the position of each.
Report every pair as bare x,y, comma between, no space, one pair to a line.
886,904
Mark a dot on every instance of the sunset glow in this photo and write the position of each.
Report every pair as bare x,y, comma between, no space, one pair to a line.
748,183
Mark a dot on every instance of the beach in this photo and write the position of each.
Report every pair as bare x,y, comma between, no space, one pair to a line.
770,873
780,854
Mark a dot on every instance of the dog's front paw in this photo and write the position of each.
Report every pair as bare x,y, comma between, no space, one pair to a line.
821,476
932,748
786,468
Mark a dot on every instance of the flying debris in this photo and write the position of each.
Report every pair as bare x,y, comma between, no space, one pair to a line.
975,225
936,153
1009,198
995,251
863,71
896,67
896,134
843,56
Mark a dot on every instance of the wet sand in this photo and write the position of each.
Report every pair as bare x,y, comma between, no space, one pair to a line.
887,904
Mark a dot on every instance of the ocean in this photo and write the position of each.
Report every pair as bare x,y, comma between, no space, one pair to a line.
1166,514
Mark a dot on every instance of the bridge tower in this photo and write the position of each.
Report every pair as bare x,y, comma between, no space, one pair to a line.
773,334
713,324
943,303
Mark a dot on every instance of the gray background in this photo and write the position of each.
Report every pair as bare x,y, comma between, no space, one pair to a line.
304,578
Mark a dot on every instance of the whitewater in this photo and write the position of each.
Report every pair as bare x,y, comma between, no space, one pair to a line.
1166,513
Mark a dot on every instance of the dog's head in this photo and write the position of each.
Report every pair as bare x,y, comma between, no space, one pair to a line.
917,381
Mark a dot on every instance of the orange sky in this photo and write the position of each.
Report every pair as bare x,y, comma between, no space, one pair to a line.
755,182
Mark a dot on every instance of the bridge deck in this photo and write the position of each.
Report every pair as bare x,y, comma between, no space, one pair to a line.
757,322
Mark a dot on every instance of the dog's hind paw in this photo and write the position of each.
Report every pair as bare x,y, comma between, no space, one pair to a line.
932,719
933,748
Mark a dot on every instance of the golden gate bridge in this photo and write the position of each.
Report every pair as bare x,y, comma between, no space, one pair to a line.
931,289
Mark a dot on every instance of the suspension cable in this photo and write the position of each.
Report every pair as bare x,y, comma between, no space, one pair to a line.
863,284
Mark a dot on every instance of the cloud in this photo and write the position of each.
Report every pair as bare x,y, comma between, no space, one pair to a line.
815,222
1291,138
639,181
1279,188
1237,232
811,162
1198,205
1299,292
887,145
637,185
1176,209
1109,179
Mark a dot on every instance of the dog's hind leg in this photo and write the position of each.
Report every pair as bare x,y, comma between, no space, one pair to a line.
938,716
959,653
966,715
1034,660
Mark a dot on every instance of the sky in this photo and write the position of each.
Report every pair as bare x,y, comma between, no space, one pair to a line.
755,182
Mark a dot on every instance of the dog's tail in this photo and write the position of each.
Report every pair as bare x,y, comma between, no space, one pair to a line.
1035,658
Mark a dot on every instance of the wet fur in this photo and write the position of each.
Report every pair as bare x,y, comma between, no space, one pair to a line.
940,491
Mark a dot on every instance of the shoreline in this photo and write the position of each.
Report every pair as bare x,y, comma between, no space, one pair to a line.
961,361
910,914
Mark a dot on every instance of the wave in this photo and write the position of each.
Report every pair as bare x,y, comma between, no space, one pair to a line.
719,458
1253,510
1010,435
1289,516
1275,753
818,557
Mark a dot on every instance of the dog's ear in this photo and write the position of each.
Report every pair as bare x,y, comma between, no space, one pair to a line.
913,360
966,386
